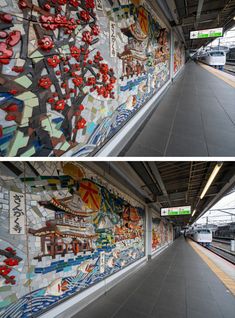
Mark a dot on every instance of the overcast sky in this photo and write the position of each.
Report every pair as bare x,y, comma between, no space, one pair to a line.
218,216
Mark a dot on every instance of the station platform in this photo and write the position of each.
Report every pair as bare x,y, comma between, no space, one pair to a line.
176,283
196,117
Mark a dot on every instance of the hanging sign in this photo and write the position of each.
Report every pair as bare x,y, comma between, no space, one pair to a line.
99,5
181,210
209,33
113,39
102,262
17,213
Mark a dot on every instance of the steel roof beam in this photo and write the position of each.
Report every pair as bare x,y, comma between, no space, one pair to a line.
199,10
158,177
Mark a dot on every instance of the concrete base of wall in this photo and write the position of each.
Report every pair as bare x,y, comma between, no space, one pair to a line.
75,304
119,141
160,250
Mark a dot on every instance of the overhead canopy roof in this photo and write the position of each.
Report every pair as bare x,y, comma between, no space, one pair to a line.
191,15
170,184
159,184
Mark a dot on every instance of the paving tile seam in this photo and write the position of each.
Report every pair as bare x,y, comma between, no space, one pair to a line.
123,304
204,131
164,279
233,122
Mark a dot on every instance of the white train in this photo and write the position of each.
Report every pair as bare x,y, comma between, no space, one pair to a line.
216,59
201,236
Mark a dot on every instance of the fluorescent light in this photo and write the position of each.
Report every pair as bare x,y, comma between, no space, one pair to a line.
211,179
234,18
194,211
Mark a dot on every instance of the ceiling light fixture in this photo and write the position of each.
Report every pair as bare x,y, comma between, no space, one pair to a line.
194,211
211,179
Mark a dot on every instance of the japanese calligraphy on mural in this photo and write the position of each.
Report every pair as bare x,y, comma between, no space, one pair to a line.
102,262
17,213
99,5
113,39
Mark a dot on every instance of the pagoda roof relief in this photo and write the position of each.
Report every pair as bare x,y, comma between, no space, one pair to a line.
54,204
132,54
58,231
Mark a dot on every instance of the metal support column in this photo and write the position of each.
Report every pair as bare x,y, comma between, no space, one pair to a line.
148,232
172,55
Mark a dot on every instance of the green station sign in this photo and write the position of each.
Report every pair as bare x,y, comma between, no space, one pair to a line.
181,210
209,33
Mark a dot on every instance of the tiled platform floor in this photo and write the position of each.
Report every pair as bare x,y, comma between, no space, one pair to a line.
196,117
176,284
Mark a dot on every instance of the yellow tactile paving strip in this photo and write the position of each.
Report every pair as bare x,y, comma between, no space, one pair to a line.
227,281
223,76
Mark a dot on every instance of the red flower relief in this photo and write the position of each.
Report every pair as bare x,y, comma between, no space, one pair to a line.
48,22
81,123
13,91
5,17
91,81
18,69
53,61
4,270
46,43
75,51
10,117
60,105
78,81
22,4
113,80
109,87
13,38
85,16
74,3
87,37
11,261
12,108
90,4
10,250
47,7
95,29
5,53
104,68
45,82
62,2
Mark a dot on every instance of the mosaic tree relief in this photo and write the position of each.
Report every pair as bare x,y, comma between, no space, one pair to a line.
162,233
68,80
79,230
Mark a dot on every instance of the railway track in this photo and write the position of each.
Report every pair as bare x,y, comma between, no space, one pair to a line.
227,242
223,254
230,67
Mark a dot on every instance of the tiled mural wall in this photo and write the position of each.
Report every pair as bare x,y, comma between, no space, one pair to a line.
62,229
162,233
179,54
72,72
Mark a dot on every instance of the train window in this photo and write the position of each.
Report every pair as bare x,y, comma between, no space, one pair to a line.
204,231
217,53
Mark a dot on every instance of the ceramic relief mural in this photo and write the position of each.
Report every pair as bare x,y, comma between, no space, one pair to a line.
179,54
77,230
72,72
162,233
